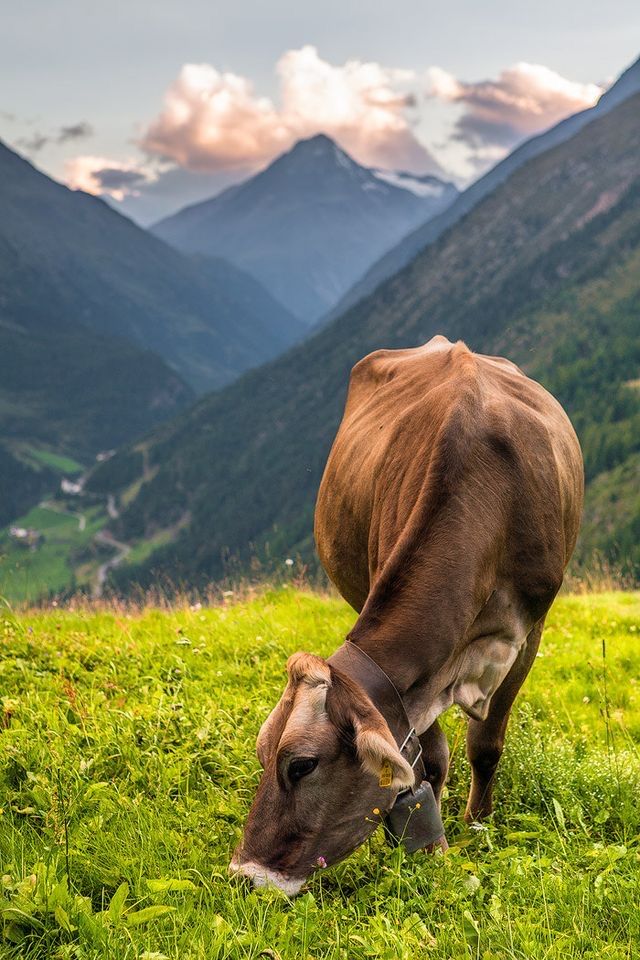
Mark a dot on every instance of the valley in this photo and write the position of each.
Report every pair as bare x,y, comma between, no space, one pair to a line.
555,288
541,267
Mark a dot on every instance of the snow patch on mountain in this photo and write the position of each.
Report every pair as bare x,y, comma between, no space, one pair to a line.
427,186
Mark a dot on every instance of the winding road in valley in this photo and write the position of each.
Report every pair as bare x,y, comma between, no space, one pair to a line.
105,539
102,538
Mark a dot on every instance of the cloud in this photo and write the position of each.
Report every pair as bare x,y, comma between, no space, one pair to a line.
99,175
214,121
215,128
76,131
37,141
172,189
496,114
33,143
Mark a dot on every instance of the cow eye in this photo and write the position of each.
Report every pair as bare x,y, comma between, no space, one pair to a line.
300,768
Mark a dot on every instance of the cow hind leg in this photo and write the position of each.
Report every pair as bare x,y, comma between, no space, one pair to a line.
485,738
435,755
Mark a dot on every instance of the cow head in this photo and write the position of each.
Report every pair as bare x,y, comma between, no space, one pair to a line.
331,771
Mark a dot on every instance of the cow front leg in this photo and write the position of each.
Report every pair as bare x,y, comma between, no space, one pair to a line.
485,738
435,756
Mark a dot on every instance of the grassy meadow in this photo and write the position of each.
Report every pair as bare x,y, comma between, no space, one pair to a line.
127,765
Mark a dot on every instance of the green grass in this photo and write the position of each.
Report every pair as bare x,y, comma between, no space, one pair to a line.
27,575
56,461
127,766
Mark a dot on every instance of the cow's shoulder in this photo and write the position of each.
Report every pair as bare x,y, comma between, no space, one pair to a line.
382,366
502,362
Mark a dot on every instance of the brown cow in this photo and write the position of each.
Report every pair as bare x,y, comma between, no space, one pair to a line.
448,511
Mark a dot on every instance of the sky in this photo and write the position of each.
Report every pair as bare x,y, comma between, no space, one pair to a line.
157,104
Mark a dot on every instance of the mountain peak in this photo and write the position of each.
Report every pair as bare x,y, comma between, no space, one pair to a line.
318,139
319,148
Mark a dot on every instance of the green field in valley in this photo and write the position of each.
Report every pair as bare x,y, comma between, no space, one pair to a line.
64,558
127,766
56,461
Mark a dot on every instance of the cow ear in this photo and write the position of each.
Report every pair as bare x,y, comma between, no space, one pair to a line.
302,668
350,709
380,756
308,668
269,734
271,730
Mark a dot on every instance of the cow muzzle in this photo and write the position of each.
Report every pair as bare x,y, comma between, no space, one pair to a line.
262,876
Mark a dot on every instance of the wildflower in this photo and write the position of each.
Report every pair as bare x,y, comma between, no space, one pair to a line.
322,863
289,562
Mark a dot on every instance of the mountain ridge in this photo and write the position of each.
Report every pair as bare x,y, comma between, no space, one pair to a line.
101,326
131,284
627,84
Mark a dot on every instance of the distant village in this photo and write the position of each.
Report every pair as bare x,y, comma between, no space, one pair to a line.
29,537
26,536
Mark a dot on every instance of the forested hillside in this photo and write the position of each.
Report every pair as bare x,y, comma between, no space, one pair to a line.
106,331
95,267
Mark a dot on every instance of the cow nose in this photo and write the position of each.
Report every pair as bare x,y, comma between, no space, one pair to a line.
236,870
262,876
236,866
238,862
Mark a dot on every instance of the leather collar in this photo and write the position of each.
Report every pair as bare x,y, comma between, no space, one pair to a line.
361,668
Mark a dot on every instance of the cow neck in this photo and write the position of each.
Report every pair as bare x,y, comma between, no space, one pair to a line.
360,667
415,641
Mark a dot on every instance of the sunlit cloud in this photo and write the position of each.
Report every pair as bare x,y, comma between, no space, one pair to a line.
212,121
496,114
218,125
100,176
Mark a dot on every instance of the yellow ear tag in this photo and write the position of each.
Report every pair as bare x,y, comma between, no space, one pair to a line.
386,775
